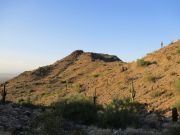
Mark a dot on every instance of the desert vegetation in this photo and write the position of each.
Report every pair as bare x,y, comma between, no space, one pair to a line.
157,93
177,85
150,78
142,63
177,105
178,50
120,113
68,114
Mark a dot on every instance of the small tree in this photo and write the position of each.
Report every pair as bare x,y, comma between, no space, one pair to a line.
143,63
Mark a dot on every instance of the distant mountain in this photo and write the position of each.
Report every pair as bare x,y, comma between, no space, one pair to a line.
5,77
81,72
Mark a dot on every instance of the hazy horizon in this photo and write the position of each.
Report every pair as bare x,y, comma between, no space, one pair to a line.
38,33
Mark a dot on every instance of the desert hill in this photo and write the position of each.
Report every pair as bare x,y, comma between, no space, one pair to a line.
85,72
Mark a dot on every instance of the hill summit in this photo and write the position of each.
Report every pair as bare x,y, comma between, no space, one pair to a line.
93,56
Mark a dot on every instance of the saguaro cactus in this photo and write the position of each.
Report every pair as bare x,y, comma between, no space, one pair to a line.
174,114
4,93
132,91
94,97
162,44
67,85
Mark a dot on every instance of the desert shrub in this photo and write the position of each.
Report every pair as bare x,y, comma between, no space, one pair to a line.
150,78
32,106
63,81
178,50
142,63
96,75
177,85
48,124
51,123
120,114
42,71
156,93
28,103
20,100
168,57
173,73
177,105
78,109
78,87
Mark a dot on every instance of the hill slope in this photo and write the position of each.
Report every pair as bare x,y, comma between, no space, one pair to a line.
82,72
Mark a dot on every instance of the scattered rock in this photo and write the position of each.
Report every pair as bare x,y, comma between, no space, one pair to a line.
104,57
14,118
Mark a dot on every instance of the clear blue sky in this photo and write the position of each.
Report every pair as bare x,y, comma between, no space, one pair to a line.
34,33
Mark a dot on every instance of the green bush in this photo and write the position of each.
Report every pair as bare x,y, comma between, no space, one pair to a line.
142,63
48,124
42,71
177,85
150,78
78,87
78,109
156,94
178,50
120,114
51,124
177,105
26,103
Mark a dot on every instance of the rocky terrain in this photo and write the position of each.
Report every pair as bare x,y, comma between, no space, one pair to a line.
14,119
